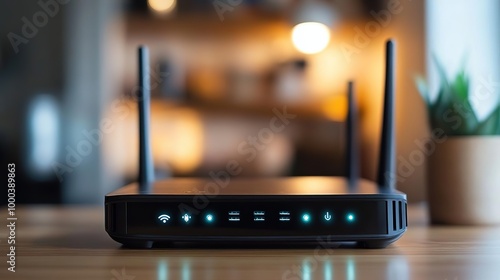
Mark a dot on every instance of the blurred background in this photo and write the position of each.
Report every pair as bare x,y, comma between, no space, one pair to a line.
219,71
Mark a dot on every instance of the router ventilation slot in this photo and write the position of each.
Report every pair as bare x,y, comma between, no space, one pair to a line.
406,214
399,218
394,216
400,215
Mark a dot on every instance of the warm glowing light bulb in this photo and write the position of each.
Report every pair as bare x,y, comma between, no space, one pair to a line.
310,37
162,6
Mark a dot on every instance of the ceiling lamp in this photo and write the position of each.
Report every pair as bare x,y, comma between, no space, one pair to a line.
311,33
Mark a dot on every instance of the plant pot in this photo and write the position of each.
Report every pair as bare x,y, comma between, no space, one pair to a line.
464,181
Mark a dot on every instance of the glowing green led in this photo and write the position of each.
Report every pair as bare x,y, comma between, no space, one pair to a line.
209,218
350,217
306,218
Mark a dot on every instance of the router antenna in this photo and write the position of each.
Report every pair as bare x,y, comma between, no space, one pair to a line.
146,166
387,165
352,154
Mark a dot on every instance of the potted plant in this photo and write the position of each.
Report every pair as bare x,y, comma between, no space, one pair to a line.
463,154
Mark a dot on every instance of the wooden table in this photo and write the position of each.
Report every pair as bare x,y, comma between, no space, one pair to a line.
70,243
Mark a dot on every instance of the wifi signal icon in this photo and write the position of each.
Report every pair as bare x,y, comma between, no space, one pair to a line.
164,218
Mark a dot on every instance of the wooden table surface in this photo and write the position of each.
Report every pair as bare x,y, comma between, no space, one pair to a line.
70,243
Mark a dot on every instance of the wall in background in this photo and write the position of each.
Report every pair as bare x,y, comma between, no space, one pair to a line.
31,73
466,34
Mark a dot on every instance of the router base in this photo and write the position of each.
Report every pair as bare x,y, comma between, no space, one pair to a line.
285,210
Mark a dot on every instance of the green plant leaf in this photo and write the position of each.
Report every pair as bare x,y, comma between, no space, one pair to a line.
460,87
497,131
460,91
443,102
452,110
442,77
490,125
437,111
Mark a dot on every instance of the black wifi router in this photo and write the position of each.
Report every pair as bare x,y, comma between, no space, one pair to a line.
294,209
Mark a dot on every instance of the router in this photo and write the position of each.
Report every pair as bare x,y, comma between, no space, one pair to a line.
292,209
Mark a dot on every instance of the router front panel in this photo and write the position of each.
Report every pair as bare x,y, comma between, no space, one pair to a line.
273,217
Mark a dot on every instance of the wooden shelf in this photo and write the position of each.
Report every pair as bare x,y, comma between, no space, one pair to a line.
204,25
305,111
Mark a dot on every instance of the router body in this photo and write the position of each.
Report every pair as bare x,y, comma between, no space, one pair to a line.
298,209
295,209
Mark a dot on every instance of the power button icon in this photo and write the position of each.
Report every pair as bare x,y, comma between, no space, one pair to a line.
327,216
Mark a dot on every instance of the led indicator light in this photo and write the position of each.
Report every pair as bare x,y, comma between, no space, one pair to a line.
234,216
164,218
306,218
350,217
327,216
258,216
284,216
186,218
209,218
